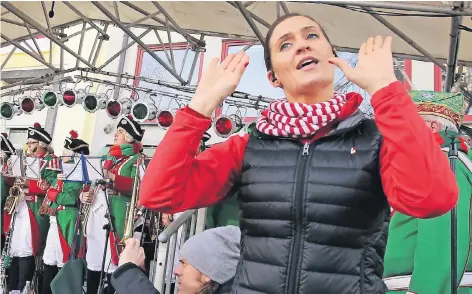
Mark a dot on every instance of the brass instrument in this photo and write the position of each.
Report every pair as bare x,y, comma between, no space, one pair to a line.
15,196
131,208
16,193
84,211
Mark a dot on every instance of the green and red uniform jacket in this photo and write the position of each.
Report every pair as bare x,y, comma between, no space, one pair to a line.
65,206
34,198
121,161
5,185
413,170
419,250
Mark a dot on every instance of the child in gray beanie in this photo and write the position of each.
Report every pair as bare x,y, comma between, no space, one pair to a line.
215,254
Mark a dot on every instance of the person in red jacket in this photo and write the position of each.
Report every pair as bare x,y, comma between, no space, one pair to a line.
316,179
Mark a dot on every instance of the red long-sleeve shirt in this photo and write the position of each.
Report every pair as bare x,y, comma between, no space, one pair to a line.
415,173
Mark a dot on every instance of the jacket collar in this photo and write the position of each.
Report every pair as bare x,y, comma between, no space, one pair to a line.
348,124
342,127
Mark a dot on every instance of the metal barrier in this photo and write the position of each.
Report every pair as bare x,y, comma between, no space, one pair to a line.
184,226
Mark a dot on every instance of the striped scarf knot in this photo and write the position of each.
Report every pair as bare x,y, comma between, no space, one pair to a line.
298,120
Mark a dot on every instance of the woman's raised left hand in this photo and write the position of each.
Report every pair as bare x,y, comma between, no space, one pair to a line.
374,69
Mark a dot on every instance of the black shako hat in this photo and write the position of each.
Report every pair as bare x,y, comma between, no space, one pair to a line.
38,133
206,137
132,127
74,144
6,145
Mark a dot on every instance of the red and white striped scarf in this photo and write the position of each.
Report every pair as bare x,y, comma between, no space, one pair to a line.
298,120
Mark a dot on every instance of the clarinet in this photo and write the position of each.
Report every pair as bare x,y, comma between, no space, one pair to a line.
6,258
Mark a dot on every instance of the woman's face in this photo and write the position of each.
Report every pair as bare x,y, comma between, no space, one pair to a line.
67,155
190,280
32,147
432,125
120,137
299,54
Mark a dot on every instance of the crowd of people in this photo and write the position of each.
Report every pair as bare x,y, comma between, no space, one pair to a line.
329,201
44,222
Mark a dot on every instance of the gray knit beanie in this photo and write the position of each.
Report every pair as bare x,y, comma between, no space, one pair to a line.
214,252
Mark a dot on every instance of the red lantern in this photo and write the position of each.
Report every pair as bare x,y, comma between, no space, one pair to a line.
116,108
69,98
113,108
225,126
27,105
165,118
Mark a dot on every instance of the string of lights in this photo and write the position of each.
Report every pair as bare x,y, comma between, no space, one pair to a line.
142,110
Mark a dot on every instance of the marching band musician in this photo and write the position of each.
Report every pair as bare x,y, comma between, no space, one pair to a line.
61,204
30,229
7,150
120,168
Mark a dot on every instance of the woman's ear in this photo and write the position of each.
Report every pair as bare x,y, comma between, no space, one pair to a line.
204,279
273,79
434,127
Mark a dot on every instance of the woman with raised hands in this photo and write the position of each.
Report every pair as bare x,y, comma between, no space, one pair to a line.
316,179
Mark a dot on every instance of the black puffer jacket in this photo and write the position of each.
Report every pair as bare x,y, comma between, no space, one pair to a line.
129,278
314,218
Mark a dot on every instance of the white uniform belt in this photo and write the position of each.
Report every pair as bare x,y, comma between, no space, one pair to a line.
403,282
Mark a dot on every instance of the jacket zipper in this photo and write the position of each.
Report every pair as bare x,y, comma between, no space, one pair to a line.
296,245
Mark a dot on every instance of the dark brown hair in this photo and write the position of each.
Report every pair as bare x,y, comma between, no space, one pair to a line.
267,56
210,288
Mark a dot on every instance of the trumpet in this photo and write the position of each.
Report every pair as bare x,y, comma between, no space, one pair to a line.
131,208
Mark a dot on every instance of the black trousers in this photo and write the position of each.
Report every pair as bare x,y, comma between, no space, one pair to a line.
93,283
21,270
49,273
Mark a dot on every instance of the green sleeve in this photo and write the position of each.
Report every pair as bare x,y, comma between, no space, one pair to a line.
125,183
50,176
70,193
4,189
432,262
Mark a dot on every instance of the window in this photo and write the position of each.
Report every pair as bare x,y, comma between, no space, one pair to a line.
18,137
148,67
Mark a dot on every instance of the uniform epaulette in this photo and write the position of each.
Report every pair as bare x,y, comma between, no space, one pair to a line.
53,164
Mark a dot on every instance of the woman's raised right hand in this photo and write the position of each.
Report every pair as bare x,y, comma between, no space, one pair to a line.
218,82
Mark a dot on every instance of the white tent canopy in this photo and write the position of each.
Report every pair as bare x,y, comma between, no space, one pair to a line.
346,27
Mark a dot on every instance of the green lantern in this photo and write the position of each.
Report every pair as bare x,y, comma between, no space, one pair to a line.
51,99
92,103
143,111
250,128
8,110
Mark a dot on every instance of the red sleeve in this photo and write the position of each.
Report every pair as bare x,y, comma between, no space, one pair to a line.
123,184
178,179
52,192
33,188
9,181
416,176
